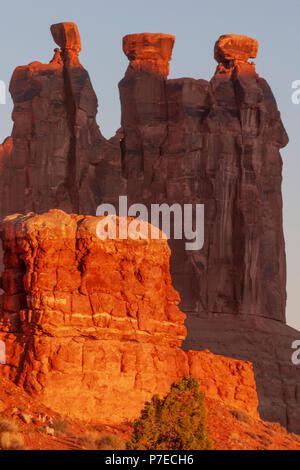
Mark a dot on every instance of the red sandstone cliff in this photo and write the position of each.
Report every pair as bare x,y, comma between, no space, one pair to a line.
49,161
184,141
216,143
93,328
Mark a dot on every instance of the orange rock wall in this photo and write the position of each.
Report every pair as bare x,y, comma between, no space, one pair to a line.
93,326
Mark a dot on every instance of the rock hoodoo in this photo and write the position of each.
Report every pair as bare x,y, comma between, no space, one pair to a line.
232,47
66,36
149,52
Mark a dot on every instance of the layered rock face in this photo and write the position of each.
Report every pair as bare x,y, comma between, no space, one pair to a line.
93,325
149,52
182,141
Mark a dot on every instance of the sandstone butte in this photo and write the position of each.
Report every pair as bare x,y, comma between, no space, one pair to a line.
182,141
93,326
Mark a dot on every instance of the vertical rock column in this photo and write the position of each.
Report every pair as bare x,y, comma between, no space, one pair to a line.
56,143
244,246
56,156
145,114
225,136
81,107
215,143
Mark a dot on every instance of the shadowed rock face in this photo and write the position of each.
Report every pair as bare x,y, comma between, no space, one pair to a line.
182,141
216,143
56,156
55,142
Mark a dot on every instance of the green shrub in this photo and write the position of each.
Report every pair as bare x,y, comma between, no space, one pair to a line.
176,422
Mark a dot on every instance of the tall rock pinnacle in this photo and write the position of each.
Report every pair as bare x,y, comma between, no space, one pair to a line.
55,139
216,143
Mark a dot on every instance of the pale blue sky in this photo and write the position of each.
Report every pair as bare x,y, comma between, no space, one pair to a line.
25,37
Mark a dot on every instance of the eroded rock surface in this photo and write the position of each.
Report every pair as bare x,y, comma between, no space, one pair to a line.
55,144
93,326
149,52
233,47
216,143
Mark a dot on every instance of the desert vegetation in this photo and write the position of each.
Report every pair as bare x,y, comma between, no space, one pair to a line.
176,422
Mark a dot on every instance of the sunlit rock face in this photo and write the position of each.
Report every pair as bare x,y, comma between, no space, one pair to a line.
149,52
66,36
233,47
93,326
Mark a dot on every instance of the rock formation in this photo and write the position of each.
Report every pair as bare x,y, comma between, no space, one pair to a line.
49,161
233,48
149,53
217,143
182,141
92,326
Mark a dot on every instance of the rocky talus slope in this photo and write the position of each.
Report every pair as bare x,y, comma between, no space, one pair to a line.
39,427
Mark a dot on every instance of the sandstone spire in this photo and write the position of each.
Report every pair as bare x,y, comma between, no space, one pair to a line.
55,139
66,36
